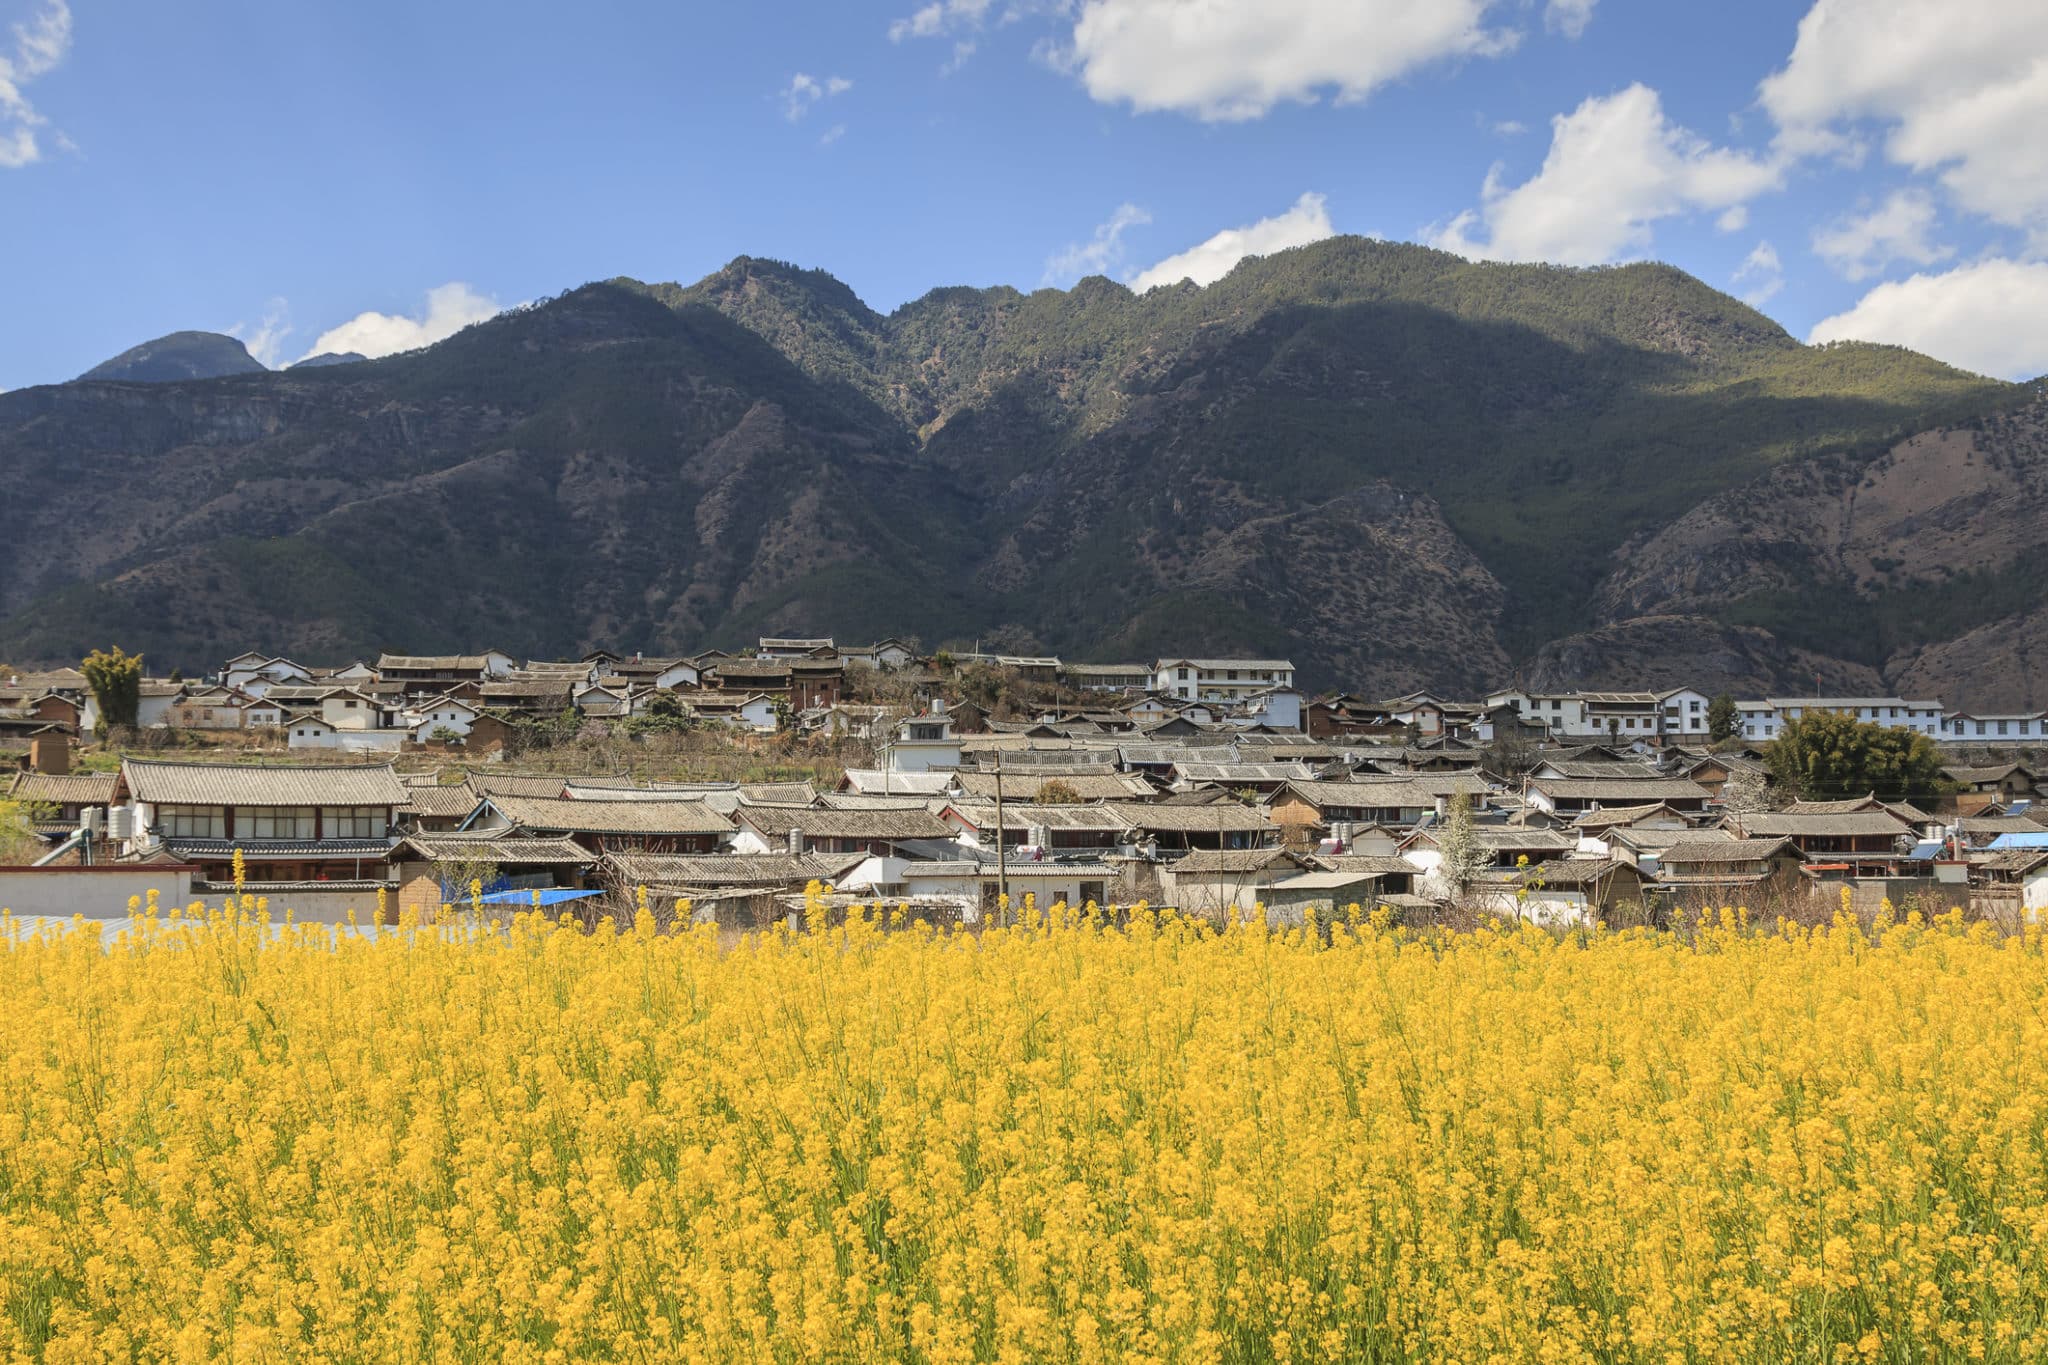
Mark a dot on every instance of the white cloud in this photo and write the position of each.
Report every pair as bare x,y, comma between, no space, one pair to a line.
1511,127
1307,221
39,45
962,50
1991,317
1860,246
265,339
804,91
832,135
450,308
1733,219
1226,60
941,16
1100,254
1568,17
1762,272
1960,89
1615,167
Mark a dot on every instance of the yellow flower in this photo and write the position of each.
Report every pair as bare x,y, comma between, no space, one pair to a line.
1054,1139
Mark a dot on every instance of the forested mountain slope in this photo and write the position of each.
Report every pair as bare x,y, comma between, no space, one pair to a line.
1398,467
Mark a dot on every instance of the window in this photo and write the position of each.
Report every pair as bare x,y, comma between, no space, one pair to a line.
274,822
190,822
2001,727
1695,706
351,822
1980,727
1183,675
1895,713
1556,705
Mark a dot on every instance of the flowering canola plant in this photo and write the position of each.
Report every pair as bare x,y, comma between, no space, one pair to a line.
1060,1140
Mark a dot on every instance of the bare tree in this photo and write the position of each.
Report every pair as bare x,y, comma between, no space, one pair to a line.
1463,860
1747,792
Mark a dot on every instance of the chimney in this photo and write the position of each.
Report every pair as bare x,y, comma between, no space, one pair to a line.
796,842
49,754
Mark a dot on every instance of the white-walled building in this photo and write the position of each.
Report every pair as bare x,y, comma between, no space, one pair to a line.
923,743
347,709
450,714
1675,713
255,673
1993,726
1763,720
1225,680
1278,708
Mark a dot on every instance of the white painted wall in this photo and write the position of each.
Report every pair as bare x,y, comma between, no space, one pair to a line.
921,755
154,711
97,893
445,716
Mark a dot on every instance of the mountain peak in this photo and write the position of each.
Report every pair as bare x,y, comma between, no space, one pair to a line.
180,355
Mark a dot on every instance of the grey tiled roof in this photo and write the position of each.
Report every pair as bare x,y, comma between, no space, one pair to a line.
503,850
817,822
221,784
737,869
611,817
63,789
280,848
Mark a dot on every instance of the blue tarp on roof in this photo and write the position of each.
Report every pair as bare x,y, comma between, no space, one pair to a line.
2021,840
552,896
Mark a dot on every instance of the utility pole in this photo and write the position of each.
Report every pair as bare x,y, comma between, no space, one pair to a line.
1002,859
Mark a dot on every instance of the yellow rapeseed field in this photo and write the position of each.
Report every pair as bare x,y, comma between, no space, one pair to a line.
1061,1141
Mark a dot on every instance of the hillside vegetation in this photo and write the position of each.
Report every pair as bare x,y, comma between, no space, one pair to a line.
1399,467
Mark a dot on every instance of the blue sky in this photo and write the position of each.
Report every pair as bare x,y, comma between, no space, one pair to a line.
370,176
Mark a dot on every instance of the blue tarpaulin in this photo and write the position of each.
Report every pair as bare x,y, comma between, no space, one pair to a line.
550,896
2021,840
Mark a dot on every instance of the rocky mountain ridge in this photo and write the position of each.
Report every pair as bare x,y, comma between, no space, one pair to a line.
178,356
1400,468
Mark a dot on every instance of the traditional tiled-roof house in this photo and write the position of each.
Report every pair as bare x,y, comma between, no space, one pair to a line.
328,824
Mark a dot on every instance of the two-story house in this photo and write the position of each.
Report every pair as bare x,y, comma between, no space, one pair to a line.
1219,680
296,825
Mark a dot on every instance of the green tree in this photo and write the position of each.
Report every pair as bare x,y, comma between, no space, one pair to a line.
116,681
666,714
1829,757
18,840
1722,719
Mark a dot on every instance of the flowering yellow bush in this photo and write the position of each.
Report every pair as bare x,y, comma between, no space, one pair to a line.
1054,1142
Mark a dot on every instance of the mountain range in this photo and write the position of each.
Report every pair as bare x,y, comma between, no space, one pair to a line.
1397,467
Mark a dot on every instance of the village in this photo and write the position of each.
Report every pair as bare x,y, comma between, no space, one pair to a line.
963,786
